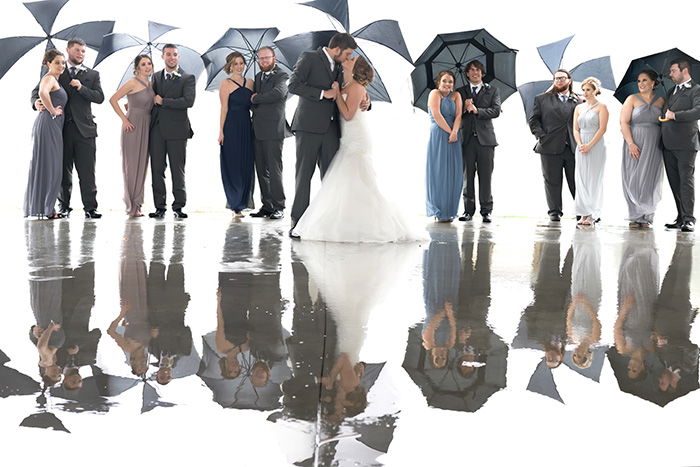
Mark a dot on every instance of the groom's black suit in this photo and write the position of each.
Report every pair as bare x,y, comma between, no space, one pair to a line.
315,124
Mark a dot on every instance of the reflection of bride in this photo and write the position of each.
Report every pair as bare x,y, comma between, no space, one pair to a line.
350,207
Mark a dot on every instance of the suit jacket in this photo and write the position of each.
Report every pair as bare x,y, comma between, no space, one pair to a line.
79,106
269,121
178,95
552,122
681,134
488,103
312,74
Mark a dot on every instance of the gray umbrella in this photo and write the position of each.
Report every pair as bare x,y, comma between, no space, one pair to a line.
45,12
551,54
452,52
542,382
94,393
190,59
597,67
338,9
593,371
245,41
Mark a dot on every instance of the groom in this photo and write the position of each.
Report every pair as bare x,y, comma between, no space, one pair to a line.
315,122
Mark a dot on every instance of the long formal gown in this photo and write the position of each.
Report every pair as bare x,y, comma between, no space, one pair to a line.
590,167
46,166
444,172
350,206
135,147
237,150
641,178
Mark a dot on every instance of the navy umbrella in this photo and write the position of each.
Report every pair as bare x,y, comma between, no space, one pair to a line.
452,52
245,41
660,63
190,59
45,12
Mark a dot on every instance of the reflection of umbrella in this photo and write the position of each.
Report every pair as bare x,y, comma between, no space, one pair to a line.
245,41
13,382
542,382
92,396
150,399
660,63
45,12
593,371
293,46
646,386
44,420
190,60
453,52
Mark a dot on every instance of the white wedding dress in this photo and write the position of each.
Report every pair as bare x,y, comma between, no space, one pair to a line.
350,207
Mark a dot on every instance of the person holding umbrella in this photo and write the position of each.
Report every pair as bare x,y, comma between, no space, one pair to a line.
444,161
679,135
552,124
641,154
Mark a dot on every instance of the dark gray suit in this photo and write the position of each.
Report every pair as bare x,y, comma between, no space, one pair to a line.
552,123
79,133
270,128
170,130
478,146
315,122
680,141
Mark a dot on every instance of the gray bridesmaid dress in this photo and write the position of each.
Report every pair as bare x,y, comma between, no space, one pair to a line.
135,147
641,178
46,166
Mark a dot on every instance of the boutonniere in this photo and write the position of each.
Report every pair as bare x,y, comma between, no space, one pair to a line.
80,69
687,85
574,98
177,74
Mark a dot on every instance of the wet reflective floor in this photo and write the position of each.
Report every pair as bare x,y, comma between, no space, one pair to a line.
517,343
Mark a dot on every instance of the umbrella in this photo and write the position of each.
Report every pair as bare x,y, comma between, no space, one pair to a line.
293,46
593,371
13,382
92,396
551,54
45,13
542,382
646,386
598,67
338,9
452,52
660,63
44,420
190,60
245,41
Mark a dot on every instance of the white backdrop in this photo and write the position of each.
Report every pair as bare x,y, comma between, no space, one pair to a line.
402,129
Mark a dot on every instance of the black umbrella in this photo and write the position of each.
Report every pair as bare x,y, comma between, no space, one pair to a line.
45,12
660,63
190,59
13,382
245,41
338,9
44,420
452,52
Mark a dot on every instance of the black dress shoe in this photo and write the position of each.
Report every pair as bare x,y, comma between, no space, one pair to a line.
466,217
688,227
92,214
261,213
554,217
158,214
65,212
674,225
292,235
486,218
179,214
275,215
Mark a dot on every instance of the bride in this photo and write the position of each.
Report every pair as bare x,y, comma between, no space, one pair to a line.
350,207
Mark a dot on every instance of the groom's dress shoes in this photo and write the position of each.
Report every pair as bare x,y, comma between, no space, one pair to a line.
486,218
276,215
158,214
675,225
261,213
688,227
92,214
179,214
466,217
65,212
554,217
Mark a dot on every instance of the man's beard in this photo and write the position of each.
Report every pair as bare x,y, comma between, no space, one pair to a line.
266,68
561,88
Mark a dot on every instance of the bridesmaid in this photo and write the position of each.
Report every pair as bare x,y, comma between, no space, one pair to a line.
236,134
444,163
135,127
590,123
46,166
642,156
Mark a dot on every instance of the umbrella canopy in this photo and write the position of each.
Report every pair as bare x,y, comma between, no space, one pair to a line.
337,9
452,52
293,46
551,54
190,59
94,393
245,41
542,382
45,13
593,371
13,382
44,420
660,63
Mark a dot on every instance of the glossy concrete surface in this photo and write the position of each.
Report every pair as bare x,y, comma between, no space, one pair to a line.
516,343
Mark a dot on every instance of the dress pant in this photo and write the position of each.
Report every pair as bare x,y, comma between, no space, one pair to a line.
477,160
312,149
78,152
680,170
554,168
268,167
176,150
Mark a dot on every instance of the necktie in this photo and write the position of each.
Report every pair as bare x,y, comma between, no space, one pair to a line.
168,76
72,72
562,97
678,88
474,91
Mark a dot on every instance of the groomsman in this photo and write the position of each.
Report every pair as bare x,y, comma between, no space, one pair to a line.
482,103
552,123
170,130
82,85
270,128
680,140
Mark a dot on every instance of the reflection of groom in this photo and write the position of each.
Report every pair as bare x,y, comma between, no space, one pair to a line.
315,122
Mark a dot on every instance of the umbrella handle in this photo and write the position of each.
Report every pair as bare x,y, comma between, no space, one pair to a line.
661,119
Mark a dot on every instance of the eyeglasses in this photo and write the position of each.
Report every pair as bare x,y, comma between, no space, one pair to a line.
561,78
266,58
